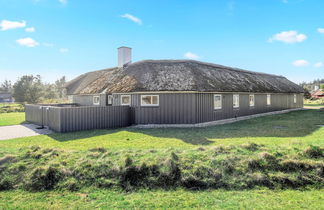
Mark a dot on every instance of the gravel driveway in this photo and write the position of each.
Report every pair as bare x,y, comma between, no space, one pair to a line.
23,130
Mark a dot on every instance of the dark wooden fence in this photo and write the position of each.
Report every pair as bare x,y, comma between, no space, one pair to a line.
68,118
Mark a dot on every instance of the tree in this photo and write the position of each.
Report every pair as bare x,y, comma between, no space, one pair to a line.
28,89
60,87
322,87
6,86
307,94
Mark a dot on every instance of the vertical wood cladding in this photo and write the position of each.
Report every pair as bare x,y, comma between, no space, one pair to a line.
66,119
188,108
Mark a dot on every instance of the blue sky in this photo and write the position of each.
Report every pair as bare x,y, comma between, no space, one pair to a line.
70,37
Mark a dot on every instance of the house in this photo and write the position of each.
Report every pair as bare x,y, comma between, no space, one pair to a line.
317,94
6,98
183,91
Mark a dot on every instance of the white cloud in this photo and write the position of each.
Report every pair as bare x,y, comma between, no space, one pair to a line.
31,29
300,63
7,24
132,18
63,1
27,42
191,55
318,64
320,30
64,50
289,37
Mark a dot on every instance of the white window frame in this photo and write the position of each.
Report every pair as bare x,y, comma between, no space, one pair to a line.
251,95
111,98
238,100
158,100
295,98
121,100
93,100
268,99
221,102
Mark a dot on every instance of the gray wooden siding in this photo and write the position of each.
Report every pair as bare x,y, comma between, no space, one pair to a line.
173,109
187,108
44,115
87,100
66,119
86,118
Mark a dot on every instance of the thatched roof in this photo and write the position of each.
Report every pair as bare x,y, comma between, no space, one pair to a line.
178,75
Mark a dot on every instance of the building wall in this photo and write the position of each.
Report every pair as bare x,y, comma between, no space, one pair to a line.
187,108
87,100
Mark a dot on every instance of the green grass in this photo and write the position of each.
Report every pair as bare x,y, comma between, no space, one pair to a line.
294,128
313,105
226,160
175,199
13,118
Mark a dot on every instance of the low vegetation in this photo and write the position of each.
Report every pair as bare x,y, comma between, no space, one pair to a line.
314,102
241,167
9,107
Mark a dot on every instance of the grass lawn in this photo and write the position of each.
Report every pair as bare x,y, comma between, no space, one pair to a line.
258,163
314,105
13,118
175,199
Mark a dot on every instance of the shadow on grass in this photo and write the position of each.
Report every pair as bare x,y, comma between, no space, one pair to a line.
293,124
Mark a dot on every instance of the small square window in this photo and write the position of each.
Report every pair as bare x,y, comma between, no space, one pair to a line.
149,100
251,100
236,101
217,101
96,100
125,100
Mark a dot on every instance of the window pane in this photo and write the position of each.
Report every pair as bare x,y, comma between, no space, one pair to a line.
155,100
146,100
251,100
96,99
235,100
110,99
217,102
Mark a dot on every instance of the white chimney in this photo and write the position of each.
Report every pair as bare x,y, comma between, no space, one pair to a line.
124,56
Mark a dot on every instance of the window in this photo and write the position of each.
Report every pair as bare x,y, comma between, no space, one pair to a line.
295,98
217,101
236,101
268,99
125,100
96,100
149,100
110,100
251,100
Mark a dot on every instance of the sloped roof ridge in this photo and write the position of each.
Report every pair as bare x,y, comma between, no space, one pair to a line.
206,64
